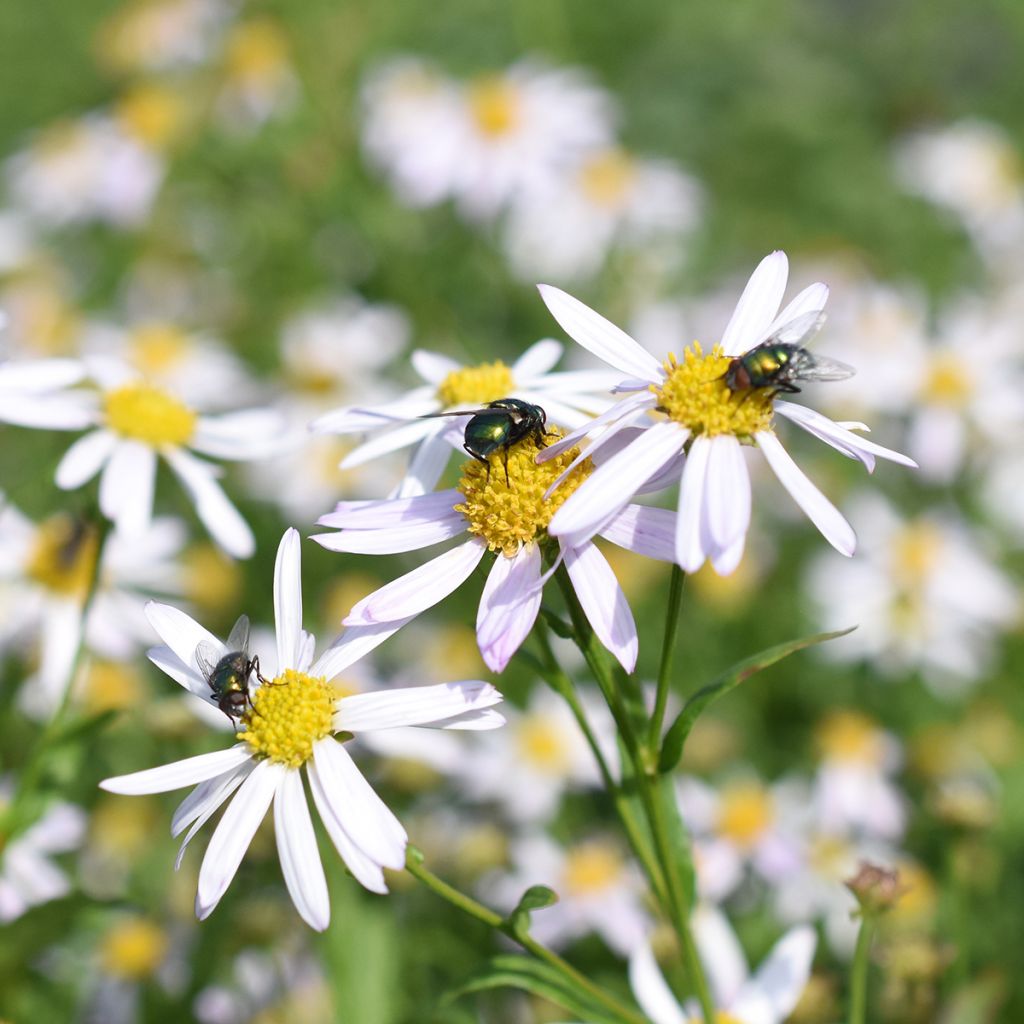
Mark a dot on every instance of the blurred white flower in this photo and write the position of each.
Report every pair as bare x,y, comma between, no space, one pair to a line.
564,230
568,398
925,596
768,996
28,876
292,723
482,143
599,890
258,79
707,419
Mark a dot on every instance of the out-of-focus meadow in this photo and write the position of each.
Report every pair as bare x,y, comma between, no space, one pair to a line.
278,202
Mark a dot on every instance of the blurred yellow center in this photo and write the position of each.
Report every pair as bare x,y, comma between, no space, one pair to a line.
919,895
147,414
915,553
850,736
542,745
830,856
288,716
607,177
745,813
257,50
133,949
948,381
110,685
508,515
212,580
695,394
151,114
590,868
476,385
494,103
156,348
63,556
721,1017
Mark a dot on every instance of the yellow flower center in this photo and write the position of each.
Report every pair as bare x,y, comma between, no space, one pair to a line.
256,51
110,685
151,114
288,716
212,580
123,828
542,745
948,381
695,394
591,868
830,856
156,348
63,556
508,515
607,177
476,385
133,949
147,414
850,736
494,104
746,812
721,1017
916,550
919,894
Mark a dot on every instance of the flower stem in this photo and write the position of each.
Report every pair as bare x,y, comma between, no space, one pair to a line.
859,971
492,919
668,645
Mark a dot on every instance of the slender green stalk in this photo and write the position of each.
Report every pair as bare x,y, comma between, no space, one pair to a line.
859,971
494,920
668,646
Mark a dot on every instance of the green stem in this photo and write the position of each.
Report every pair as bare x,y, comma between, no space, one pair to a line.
859,971
668,645
492,919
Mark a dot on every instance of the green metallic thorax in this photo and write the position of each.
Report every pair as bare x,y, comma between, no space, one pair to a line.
230,675
487,432
765,362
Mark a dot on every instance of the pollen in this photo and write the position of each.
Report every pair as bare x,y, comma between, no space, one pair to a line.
695,394
508,515
289,714
607,177
133,949
147,414
591,868
495,106
476,385
745,813
63,556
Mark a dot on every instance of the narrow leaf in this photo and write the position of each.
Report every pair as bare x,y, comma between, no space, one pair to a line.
675,738
535,898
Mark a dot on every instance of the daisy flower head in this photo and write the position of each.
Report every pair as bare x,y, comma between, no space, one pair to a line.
502,506
295,724
570,397
711,406
132,423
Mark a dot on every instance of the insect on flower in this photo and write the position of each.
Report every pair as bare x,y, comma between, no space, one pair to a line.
498,426
781,360
228,676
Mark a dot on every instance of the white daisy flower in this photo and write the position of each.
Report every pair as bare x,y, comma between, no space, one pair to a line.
570,398
926,595
768,996
482,143
30,393
599,890
507,516
132,424
28,876
711,421
292,723
259,80
45,573
565,231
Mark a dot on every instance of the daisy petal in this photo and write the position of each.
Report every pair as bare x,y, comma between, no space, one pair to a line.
167,661
609,488
215,792
426,466
394,539
234,832
540,357
758,305
811,300
288,601
368,821
126,486
84,459
418,510
651,990
508,606
413,705
181,633
839,436
776,987
691,546
389,441
825,516
353,644
178,774
66,412
300,859
720,952
728,492
603,602
37,376
420,589
644,530
600,336
432,366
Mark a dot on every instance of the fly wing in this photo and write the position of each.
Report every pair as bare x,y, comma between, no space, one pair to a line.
238,639
800,330
206,658
454,412
808,366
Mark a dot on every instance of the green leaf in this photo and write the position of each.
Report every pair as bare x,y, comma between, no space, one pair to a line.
540,980
557,624
675,738
678,838
535,898
978,1002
